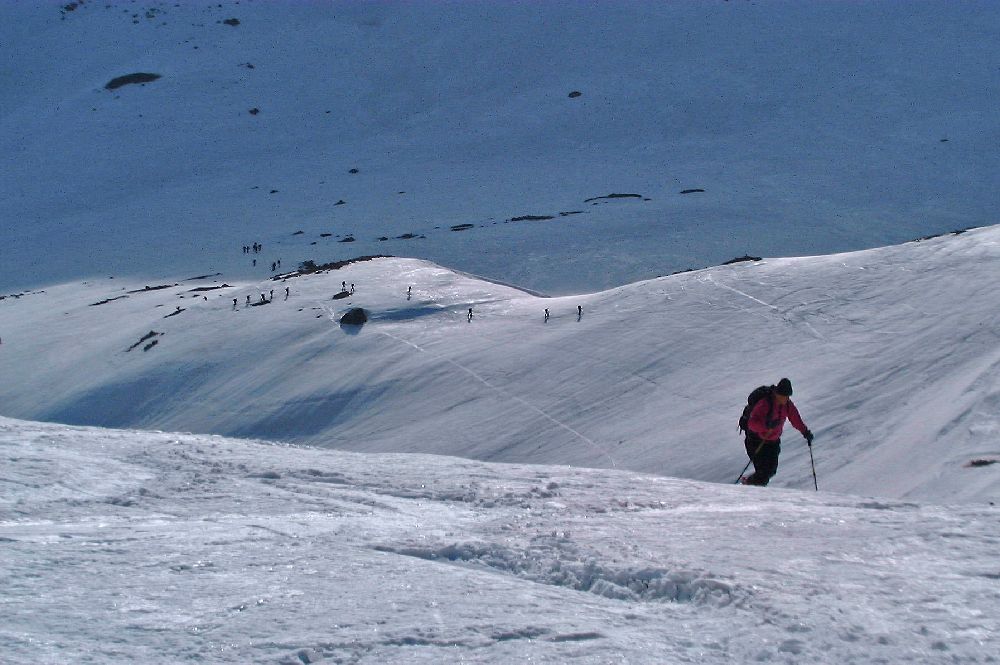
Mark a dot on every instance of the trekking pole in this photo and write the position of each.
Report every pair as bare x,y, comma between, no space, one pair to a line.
755,453
742,472
813,463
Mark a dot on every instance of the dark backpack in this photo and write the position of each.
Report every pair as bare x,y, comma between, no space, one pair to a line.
758,393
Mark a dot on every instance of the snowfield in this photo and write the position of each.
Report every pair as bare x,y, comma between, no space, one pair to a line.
796,128
528,451
892,353
126,546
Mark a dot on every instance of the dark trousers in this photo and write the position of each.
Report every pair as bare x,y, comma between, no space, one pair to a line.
764,458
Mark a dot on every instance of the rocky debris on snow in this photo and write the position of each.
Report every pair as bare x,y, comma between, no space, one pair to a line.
254,111
613,196
341,202
570,212
298,233
981,462
210,288
742,259
175,312
956,232
531,218
147,288
309,266
691,191
148,336
232,21
105,302
355,316
575,94
347,239
353,171
462,227
341,295
17,296
193,279
408,236
325,235
137,78
150,345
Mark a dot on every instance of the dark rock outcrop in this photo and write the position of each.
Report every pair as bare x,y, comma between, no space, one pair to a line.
354,317
137,78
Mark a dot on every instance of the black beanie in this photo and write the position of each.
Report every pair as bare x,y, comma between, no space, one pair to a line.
784,387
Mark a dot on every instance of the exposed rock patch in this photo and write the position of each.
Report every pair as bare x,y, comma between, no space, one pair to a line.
531,218
613,196
148,336
742,259
128,79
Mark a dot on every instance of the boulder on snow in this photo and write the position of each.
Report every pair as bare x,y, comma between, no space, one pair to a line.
341,295
354,317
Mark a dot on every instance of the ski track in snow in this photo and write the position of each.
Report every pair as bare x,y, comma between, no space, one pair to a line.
784,314
528,405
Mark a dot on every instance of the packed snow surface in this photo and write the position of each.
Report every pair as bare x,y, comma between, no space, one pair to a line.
128,546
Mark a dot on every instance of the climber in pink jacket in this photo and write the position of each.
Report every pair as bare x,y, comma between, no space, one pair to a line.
764,427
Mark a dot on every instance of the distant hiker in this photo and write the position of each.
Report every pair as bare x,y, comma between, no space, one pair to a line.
409,290
262,298
579,311
763,425
248,300
273,266
272,294
255,263
279,263
286,293
470,314
546,313
343,286
352,287
234,303
206,298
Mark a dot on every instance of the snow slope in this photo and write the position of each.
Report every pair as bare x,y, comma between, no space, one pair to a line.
893,353
811,127
125,546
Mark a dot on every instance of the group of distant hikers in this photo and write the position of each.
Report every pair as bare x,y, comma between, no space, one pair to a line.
762,422
763,419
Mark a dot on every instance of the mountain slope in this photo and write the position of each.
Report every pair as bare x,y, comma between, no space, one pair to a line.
893,354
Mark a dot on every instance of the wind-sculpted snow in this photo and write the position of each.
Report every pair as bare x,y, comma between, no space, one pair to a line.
127,546
559,563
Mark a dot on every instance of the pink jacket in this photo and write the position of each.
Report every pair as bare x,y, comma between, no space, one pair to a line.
762,412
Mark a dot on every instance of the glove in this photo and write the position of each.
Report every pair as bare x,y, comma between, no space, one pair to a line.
809,437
